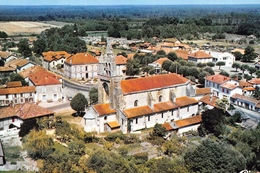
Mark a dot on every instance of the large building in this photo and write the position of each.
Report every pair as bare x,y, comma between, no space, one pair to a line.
135,104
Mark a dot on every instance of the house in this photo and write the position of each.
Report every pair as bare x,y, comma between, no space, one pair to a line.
255,82
6,56
208,101
14,115
81,66
6,71
200,57
51,60
201,92
183,126
242,51
48,85
214,82
20,64
138,103
182,53
157,65
17,94
246,102
226,57
121,65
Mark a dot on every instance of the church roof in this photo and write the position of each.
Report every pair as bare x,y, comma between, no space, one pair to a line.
104,109
81,58
185,101
138,111
163,106
152,82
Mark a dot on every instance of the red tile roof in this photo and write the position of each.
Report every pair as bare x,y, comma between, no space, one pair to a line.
182,53
202,91
120,59
17,63
200,55
185,101
18,90
113,124
167,126
219,79
161,60
104,109
41,77
25,111
254,81
152,82
188,121
27,72
6,69
229,86
249,88
244,84
209,100
164,106
81,58
4,54
239,96
138,111
14,84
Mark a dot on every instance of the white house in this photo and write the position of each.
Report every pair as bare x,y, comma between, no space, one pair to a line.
200,57
14,115
81,66
17,95
20,64
48,85
121,65
52,59
7,56
226,57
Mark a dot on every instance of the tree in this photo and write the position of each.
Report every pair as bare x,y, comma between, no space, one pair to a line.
183,70
238,55
172,56
77,147
244,67
79,102
39,46
211,64
3,34
38,144
23,48
192,71
27,126
211,156
174,67
224,73
249,54
166,65
251,70
213,121
201,65
132,67
201,77
159,130
220,63
222,103
161,52
236,65
93,95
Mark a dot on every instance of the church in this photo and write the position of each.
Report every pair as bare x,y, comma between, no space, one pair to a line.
133,104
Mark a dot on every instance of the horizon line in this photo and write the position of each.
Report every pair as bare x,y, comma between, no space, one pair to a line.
122,4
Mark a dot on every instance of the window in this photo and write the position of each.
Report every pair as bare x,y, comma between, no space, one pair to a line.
172,112
14,95
162,114
105,117
188,109
21,100
6,96
136,103
160,98
30,94
136,121
224,58
86,68
43,89
148,118
122,121
21,94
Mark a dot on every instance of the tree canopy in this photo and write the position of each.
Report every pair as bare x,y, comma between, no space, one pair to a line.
79,102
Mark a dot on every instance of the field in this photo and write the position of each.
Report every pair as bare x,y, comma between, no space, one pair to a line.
17,28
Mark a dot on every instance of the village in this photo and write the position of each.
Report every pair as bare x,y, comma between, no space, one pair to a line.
136,95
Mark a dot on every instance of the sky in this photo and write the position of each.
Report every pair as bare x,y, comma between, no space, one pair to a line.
124,2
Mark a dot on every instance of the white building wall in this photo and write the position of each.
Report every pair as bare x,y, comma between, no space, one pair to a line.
102,120
187,129
49,92
188,111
